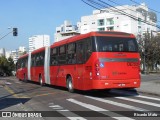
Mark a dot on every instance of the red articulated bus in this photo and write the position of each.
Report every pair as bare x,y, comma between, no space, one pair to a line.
92,61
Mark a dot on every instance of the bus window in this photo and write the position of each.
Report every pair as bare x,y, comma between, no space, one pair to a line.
88,48
131,46
71,53
80,52
33,62
115,44
41,58
121,48
54,56
62,55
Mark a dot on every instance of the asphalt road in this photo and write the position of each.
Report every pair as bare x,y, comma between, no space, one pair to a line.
56,103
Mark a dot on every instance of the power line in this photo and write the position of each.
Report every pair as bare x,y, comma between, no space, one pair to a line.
124,7
118,10
131,16
143,5
90,5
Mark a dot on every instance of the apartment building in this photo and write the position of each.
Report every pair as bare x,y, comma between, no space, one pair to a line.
136,20
38,41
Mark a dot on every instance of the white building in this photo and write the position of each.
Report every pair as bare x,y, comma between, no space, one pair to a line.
112,19
15,54
65,30
38,41
2,52
22,49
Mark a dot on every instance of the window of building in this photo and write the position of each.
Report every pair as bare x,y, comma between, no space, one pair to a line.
139,21
101,29
110,21
100,22
110,28
93,22
139,29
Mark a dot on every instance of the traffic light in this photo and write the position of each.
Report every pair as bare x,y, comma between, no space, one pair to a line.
15,31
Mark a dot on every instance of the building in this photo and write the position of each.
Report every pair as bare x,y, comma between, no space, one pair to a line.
2,52
38,41
65,30
138,20
15,54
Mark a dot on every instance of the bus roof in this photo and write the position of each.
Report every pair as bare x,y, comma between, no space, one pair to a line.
23,56
101,33
38,50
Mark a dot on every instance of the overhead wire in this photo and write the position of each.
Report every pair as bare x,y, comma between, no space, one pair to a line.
125,7
131,16
143,5
93,2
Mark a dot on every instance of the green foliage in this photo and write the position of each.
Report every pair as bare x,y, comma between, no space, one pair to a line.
149,47
7,65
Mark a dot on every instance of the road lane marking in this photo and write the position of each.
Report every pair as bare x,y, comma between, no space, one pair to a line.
11,92
76,118
146,97
45,94
56,107
100,110
123,92
65,112
117,104
139,101
15,94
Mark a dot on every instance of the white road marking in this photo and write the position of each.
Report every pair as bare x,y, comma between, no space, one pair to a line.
8,83
65,112
117,104
123,92
76,118
56,107
139,101
146,97
100,110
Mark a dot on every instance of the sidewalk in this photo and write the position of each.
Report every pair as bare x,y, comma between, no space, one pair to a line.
150,86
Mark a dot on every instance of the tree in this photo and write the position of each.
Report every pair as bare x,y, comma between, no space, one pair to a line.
149,47
6,65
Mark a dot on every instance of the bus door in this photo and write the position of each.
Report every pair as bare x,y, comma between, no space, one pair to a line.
80,65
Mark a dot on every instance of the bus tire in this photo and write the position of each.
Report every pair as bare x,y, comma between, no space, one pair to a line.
70,84
41,81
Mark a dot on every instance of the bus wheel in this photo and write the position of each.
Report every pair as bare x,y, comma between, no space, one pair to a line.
41,81
70,85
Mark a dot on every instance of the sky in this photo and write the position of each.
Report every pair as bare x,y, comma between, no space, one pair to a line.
37,17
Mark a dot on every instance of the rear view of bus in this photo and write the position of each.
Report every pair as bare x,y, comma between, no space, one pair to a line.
116,61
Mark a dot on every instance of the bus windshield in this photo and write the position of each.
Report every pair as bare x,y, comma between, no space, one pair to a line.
115,44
